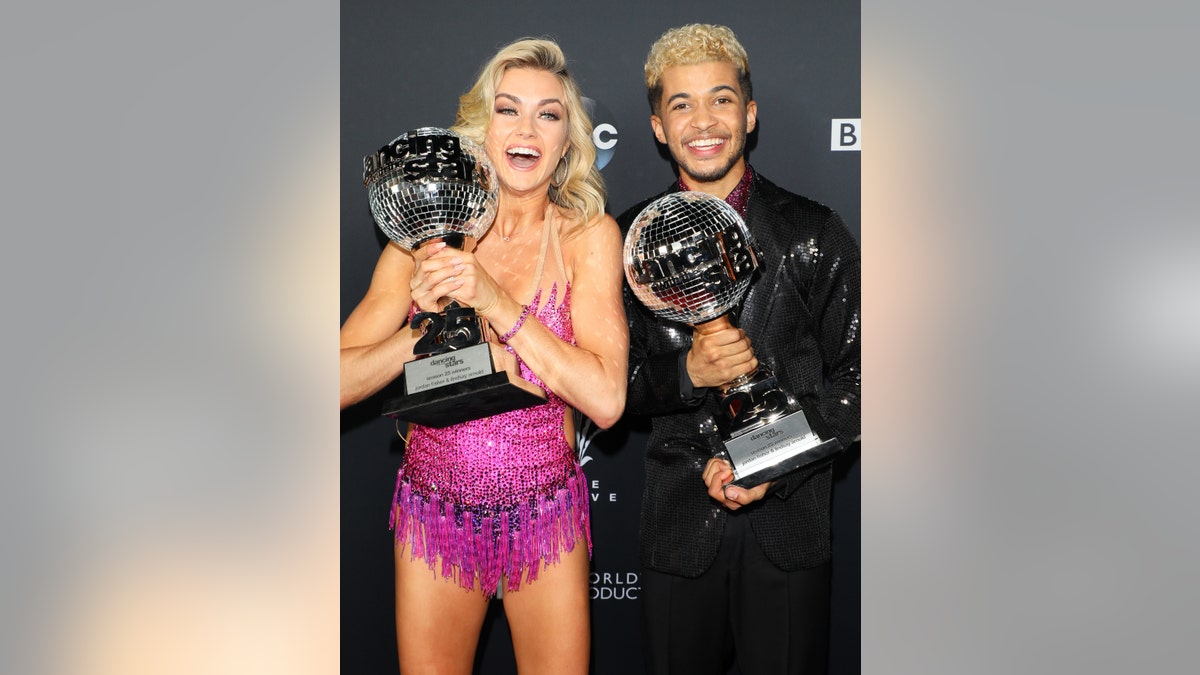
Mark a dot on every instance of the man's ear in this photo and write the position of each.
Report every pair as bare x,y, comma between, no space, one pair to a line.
751,116
656,124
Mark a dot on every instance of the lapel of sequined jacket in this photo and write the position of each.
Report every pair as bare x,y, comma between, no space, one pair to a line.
772,234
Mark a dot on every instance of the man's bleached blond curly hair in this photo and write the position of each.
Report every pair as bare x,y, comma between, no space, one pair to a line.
692,44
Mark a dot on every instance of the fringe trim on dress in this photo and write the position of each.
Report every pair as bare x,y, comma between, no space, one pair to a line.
492,543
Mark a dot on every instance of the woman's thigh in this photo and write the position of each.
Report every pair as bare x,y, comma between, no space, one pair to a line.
437,621
549,618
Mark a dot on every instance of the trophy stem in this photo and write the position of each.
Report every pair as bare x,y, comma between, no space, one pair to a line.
738,381
455,240
715,325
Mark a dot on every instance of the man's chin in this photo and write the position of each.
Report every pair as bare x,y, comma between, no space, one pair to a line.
706,174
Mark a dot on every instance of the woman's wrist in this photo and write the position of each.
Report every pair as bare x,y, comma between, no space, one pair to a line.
501,313
484,310
516,326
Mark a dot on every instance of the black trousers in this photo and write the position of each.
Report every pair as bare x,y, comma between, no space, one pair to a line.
743,611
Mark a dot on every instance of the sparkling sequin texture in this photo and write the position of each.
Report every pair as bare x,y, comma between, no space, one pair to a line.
498,497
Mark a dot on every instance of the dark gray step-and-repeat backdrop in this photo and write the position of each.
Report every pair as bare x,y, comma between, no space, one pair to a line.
403,66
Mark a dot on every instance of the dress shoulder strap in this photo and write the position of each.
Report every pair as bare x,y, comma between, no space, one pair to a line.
536,282
553,235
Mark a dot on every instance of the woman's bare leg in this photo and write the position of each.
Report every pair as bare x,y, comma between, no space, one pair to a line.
549,618
437,621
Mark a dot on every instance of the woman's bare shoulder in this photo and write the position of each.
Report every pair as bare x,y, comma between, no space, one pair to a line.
572,229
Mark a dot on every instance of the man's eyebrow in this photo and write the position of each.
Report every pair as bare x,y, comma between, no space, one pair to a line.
719,87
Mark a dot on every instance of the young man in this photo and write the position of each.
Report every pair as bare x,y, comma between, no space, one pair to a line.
738,573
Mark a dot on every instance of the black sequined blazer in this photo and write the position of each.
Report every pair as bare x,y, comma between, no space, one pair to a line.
802,316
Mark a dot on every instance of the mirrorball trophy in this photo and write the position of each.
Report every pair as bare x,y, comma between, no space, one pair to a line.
426,186
689,257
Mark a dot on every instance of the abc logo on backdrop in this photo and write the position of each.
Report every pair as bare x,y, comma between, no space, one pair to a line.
604,131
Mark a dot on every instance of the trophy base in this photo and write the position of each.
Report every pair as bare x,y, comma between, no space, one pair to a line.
773,450
466,400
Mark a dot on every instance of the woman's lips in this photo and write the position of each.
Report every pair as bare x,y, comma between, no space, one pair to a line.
523,158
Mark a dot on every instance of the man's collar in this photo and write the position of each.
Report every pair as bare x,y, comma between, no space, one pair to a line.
739,197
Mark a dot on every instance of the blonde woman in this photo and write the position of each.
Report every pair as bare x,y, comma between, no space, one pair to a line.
501,502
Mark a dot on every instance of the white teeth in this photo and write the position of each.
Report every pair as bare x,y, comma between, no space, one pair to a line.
705,142
530,152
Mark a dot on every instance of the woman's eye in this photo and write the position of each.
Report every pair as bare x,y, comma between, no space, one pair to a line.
506,111
551,116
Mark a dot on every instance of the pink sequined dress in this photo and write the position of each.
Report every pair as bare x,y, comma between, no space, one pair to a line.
497,498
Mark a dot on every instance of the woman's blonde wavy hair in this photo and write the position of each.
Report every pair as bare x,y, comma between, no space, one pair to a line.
582,189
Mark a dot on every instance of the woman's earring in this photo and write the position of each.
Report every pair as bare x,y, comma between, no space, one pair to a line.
560,172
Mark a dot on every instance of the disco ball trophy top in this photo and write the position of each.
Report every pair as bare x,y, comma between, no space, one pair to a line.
689,257
429,185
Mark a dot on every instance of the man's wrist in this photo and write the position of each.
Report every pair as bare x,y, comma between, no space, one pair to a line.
688,391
